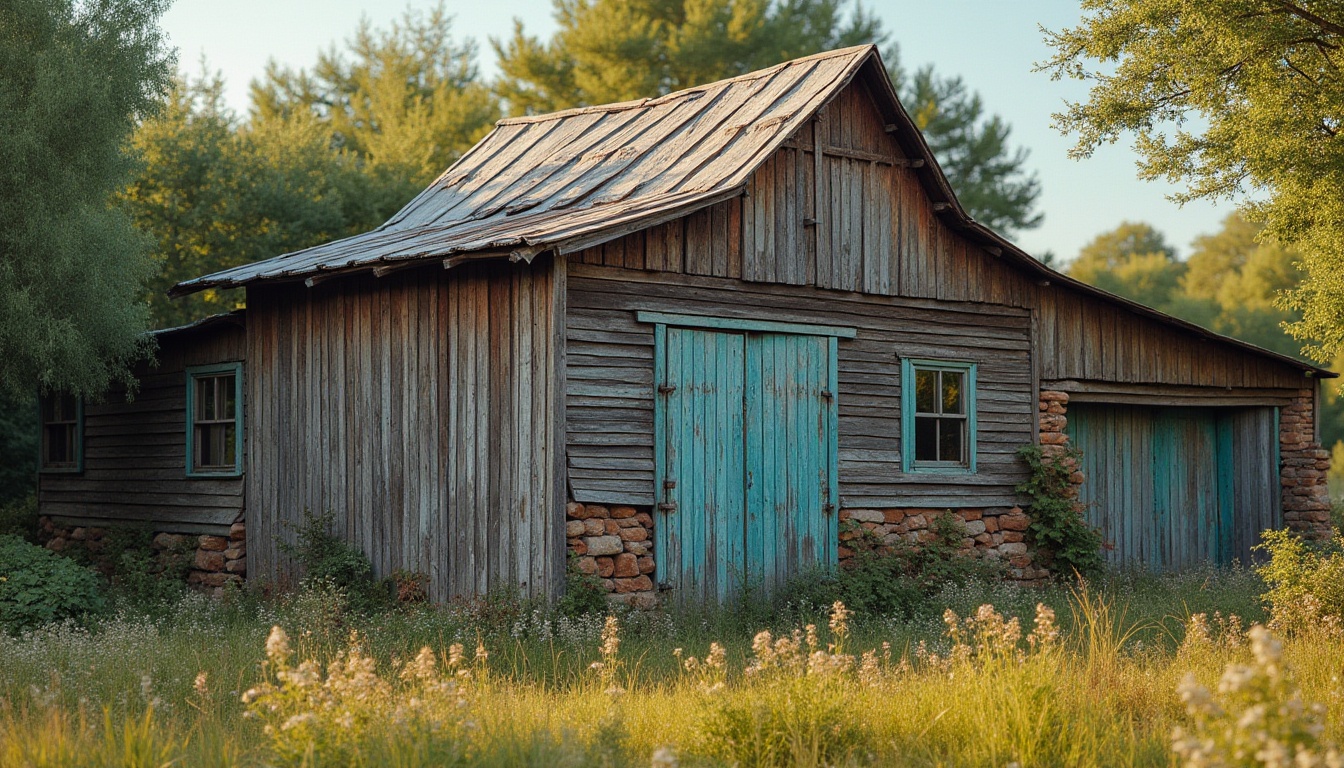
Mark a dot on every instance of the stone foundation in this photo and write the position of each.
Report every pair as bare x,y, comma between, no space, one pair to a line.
1303,466
991,534
213,561
615,544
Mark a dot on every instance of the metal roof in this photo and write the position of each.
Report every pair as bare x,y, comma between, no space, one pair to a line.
561,180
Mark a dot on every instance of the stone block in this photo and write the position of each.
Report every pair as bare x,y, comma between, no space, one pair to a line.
578,546
643,601
1014,521
622,513
1054,396
238,532
594,527
893,516
645,519
576,511
168,541
574,528
605,567
604,545
991,524
612,526
634,534
969,515
916,522
56,544
1013,536
586,565
626,565
866,516
78,534
636,584
637,547
208,560
974,527
595,510
645,565
213,543
235,553
1054,438
236,566
1010,549
628,522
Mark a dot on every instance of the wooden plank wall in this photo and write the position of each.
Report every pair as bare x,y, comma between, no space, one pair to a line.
853,217
421,409
610,381
135,452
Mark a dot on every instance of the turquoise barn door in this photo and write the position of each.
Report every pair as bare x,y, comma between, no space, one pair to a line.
791,517
700,533
745,429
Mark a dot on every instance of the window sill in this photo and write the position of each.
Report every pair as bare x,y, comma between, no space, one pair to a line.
60,471
940,470
219,475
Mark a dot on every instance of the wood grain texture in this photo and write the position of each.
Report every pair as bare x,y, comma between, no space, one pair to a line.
420,409
135,450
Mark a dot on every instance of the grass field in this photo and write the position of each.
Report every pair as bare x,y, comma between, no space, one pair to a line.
503,684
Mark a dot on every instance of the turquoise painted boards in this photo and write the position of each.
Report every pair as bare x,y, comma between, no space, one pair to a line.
1171,488
747,424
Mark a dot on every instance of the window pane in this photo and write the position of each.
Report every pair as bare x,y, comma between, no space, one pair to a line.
229,455
952,392
926,438
60,447
204,405
228,390
926,391
951,439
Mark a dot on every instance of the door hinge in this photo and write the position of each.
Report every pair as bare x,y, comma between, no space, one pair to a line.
828,508
669,484
667,389
826,393
668,506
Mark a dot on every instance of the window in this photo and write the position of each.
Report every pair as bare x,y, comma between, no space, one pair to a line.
62,433
938,416
214,420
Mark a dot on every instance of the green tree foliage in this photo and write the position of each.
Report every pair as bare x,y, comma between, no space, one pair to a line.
615,50
406,101
215,194
74,78
1227,97
1133,260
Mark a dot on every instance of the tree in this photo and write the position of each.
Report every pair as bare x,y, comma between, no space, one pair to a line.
1133,260
1228,97
616,50
215,194
74,78
406,101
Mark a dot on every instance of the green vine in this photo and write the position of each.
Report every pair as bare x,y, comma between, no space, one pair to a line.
1064,539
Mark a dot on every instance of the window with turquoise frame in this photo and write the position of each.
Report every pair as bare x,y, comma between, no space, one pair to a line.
938,416
62,448
215,420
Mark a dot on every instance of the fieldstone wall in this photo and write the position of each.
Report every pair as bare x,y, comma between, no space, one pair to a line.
213,561
1303,466
615,544
991,534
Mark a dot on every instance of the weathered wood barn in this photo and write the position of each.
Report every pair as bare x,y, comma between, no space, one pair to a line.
685,337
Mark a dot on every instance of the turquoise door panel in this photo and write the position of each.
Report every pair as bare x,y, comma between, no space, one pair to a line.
790,438
746,423
1161,483
701,532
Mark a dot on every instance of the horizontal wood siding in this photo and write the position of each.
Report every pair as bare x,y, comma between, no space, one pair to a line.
135,452
421,409
611,386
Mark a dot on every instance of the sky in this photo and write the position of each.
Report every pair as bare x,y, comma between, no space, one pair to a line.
992,44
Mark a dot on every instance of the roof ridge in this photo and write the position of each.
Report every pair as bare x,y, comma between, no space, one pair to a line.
619,106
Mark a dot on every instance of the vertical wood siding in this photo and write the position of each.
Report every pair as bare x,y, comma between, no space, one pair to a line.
421,409
135,452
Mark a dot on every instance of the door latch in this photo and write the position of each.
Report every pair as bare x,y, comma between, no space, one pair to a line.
826,394
828,508
667,389
669,484
668,506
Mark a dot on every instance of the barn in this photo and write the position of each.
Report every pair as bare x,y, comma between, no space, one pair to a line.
695,340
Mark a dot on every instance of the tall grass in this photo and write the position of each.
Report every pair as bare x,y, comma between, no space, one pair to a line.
1090,678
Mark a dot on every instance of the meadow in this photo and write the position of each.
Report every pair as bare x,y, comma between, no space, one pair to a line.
989,675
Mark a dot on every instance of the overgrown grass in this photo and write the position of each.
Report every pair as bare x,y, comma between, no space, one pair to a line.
149,690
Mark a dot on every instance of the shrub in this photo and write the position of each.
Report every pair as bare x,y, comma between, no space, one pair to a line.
583,591
19,517
1305,579
38,586
145,579
330,561
1058,528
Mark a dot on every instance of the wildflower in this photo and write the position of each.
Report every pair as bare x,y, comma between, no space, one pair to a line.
611,638
840,622
1046,632
277,646
718,657
421,668
664,757
455,654
481,654
201,686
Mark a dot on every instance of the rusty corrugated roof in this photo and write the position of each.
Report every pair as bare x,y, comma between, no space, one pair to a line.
567,179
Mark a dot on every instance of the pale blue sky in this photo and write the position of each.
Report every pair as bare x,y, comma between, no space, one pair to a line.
991,43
